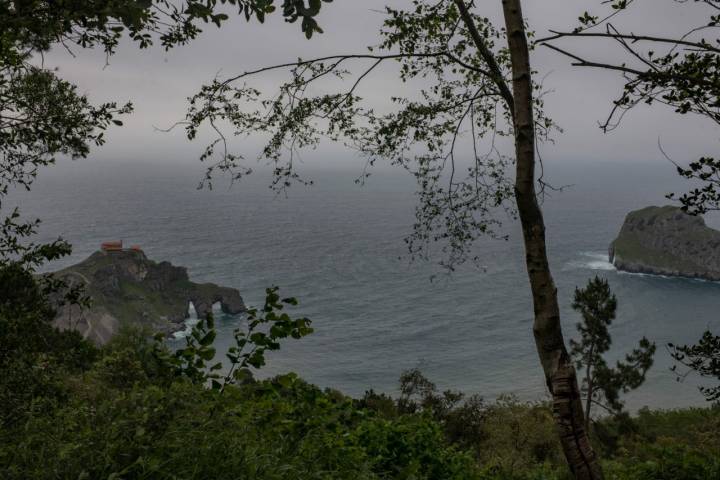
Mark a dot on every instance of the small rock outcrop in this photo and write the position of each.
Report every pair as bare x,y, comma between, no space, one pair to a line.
125,287
667,241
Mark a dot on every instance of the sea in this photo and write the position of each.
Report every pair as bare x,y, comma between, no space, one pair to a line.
338,247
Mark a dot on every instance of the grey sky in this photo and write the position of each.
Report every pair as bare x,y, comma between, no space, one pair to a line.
158,82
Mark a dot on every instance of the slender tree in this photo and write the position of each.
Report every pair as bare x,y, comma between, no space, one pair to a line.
557,365
478,86
602,385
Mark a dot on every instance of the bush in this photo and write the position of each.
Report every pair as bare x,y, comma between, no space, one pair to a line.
279,429
520,436
665,463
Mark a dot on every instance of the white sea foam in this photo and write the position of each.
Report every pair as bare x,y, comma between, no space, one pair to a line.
190,322
591,261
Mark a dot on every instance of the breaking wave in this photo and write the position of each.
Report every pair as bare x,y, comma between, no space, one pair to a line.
591,261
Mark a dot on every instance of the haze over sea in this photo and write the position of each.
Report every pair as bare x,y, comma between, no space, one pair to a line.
335,246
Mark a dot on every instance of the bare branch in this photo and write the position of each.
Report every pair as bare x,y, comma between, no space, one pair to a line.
632,37
581,62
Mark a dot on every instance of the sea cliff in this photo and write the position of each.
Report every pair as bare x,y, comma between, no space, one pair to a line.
125,287
667,241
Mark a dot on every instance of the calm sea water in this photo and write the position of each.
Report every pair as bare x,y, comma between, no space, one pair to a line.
335,246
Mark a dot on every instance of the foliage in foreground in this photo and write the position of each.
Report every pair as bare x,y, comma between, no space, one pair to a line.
163,428
134,409
122,415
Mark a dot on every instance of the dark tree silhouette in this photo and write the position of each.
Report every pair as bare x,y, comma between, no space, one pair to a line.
601,384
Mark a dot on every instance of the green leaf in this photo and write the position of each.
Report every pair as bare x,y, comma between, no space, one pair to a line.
206,353
208,339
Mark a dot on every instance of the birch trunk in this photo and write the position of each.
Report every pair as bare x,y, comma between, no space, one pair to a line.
557,365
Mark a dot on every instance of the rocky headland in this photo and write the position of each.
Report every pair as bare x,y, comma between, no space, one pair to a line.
125,287
667,241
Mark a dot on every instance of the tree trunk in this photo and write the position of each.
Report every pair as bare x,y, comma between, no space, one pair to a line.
589,381
557,365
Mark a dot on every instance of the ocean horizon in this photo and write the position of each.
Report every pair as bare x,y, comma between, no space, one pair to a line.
338,247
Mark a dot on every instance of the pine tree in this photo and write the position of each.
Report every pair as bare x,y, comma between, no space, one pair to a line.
703,358
602,385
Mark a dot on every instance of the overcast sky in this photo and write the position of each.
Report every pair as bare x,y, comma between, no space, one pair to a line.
159,82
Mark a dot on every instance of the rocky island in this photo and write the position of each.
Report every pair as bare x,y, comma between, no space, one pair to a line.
667,241
125,287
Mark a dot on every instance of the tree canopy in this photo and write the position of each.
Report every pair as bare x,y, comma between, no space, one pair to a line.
703,358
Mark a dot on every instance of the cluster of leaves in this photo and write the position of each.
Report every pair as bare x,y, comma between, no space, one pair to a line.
505,436
601,384
673,444
41,117
702,358
34,356
294,9
38,24
705,198
443,131
251,344
274,429
462,417
679,72
511,439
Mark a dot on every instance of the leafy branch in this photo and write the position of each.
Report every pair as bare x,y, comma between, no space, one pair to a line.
266,327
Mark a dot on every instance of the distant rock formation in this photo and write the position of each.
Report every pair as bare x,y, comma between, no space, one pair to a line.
126,287
667,241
